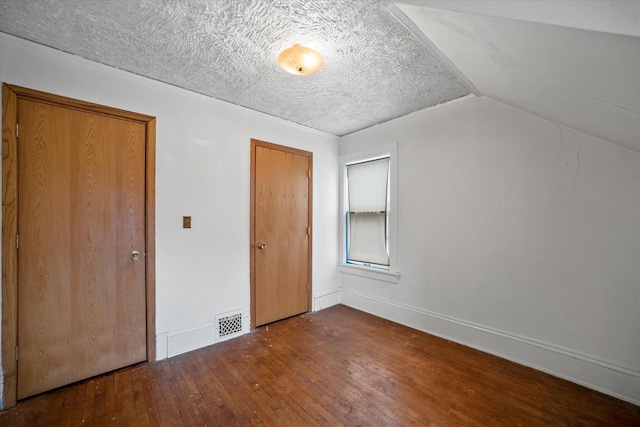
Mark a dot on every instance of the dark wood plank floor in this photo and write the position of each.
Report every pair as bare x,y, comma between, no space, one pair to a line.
335,367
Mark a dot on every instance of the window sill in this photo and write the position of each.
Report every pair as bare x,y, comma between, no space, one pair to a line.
371,273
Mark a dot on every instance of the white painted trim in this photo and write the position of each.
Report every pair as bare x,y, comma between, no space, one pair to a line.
392,151
162,346
183,340
326,293
371,273
612,378
189,339
326,299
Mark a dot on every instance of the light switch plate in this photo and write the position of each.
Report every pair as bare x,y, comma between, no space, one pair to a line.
186,222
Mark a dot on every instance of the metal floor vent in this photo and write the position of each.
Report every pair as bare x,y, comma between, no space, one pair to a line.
229,325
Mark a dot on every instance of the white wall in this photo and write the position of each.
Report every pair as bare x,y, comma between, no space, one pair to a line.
611,16
203,159
517,236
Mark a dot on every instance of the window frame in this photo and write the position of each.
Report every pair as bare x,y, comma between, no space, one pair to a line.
348,212
391,274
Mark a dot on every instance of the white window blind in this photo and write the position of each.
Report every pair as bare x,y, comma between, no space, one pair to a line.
367,184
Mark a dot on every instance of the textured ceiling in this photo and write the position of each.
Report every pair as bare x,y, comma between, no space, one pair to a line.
374,70
587,80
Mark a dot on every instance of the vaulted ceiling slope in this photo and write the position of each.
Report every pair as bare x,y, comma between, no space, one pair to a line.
375,69
576,63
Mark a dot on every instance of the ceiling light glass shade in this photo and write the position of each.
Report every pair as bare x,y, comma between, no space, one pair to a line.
300,60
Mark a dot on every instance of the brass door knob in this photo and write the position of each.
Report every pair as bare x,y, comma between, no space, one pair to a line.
261,246
135,255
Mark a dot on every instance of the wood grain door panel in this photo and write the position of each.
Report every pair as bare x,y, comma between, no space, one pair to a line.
282,221
81,307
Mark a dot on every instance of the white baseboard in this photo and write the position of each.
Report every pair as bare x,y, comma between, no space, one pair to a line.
162,346
183,340
619,381
326,299
190,339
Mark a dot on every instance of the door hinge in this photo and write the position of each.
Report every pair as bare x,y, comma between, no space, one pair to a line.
309,231
17,241
16,352
308,288
17,126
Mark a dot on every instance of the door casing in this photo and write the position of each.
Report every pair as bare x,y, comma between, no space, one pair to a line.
10,96
252,244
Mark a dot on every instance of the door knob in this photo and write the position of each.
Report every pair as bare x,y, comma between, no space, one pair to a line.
261,246
135,255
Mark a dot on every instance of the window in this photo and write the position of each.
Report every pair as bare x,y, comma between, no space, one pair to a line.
369,224
367,212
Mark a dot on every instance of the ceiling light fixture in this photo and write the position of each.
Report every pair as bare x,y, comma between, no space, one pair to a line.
300,60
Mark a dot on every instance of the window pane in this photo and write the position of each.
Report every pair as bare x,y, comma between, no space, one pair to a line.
367,238
368,197
368,186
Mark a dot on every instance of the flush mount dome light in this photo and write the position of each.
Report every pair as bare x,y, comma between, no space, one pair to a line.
300,60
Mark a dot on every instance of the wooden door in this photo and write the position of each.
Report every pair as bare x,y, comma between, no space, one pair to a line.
281,232
81,196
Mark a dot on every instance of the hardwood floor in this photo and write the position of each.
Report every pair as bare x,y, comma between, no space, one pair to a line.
338,366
